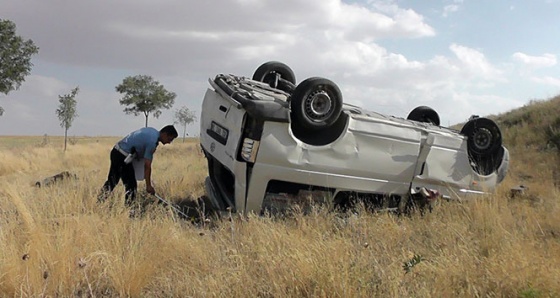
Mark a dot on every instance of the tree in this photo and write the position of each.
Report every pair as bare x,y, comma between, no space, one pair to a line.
15,58
66,111
184,116
142,94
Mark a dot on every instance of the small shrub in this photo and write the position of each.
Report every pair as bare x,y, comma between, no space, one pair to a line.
553,134
415,260
530,293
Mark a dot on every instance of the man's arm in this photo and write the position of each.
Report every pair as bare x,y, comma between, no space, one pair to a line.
148,176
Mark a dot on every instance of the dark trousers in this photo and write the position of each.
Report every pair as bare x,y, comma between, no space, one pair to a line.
120,170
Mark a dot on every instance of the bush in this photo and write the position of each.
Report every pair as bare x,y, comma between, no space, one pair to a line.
553,134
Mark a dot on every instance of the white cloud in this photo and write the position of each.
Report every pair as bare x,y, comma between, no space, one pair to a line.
184,42
452,8
475,63
547,81
103,36
545,60
448,9
404,22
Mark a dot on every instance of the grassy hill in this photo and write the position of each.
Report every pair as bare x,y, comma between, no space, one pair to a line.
533,135
57,241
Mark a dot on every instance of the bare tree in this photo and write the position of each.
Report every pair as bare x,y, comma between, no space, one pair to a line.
184,116
66,111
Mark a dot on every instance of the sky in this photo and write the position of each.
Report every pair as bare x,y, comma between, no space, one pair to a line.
460,57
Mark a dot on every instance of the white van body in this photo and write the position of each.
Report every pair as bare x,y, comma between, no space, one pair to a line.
257,162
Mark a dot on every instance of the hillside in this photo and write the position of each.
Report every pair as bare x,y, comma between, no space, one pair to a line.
532,135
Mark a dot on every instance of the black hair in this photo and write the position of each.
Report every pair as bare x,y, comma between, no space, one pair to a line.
170,130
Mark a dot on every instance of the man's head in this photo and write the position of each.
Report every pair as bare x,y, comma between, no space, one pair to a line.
167,134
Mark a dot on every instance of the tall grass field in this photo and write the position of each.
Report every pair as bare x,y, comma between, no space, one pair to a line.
57,241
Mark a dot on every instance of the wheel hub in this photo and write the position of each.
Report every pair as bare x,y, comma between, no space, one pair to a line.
318,105
482,139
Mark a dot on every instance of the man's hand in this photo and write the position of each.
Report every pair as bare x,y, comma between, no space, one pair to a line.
150,189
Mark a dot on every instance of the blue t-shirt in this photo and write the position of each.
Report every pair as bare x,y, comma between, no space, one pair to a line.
145,140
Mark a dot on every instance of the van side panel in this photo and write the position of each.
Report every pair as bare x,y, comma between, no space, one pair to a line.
375,157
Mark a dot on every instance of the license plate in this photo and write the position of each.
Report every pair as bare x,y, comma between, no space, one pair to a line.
218,132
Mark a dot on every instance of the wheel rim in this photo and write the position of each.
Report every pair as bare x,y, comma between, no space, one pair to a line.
318,105
482,139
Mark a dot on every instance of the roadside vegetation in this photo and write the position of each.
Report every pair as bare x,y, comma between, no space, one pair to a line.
57,241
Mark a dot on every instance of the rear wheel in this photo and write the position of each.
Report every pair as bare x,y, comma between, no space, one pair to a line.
424,114
277,75
484,137
484,144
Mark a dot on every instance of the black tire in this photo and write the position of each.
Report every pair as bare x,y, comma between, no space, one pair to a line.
316,104
424,114
276,75
484,137
323,136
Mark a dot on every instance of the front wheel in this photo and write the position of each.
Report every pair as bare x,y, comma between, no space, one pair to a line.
484,137
316,104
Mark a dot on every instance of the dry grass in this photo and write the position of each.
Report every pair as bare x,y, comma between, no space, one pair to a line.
57,241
